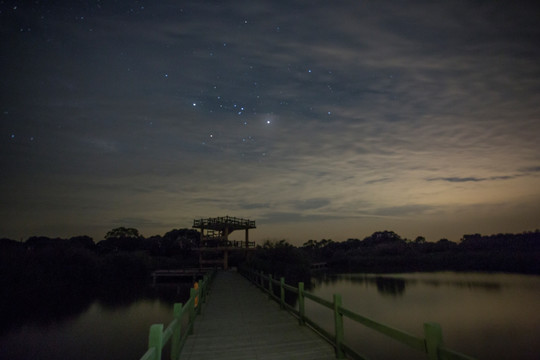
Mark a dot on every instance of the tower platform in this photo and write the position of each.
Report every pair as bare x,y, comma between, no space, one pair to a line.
214,240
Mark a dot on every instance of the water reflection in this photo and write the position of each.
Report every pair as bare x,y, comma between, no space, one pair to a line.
395,285
390,286
43,307
108,322
471,285
57,305
489,316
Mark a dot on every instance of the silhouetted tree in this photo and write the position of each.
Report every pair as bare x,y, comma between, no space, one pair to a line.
123,232
281,259
175,242
445,245
34,242
6,244
83,241
381,237
420,240
318,250
121,238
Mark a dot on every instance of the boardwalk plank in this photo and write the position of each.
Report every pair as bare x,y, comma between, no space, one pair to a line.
240,322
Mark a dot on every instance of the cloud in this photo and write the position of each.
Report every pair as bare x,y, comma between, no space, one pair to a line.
311,204
473,179
291,217
102,145
405,210
532,169
138,222
381,180
252,206
377,109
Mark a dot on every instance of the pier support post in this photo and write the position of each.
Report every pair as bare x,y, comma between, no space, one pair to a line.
433,335
270,286
192,294
282,292
175,342
204,292
226,260
155,339
339,332
301,308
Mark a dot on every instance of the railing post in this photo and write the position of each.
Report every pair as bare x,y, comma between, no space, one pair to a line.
175,341
338,321
155,340
192,293
301,308
270,286
282,292
199,303
204,288
433,336
261,274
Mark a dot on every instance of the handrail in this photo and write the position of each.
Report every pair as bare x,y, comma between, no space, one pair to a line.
431,344
229,220
158,338
396,334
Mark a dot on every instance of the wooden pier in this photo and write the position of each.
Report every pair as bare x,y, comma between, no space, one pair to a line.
241,322
191,274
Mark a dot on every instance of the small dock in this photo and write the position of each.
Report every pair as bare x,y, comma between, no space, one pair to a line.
241,322
179,274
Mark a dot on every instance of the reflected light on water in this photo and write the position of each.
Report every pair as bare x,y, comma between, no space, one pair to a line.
110,327
482,315
99,333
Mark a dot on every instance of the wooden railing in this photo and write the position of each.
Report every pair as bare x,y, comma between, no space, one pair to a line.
229,220
220,241
431,344
158,338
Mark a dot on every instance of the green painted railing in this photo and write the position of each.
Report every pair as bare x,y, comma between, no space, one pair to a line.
431,344
158,338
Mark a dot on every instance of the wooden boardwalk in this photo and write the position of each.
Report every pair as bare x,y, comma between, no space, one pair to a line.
240,322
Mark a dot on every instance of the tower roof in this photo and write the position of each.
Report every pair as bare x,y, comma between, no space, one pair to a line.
222,223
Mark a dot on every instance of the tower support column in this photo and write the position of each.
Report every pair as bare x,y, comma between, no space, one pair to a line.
226,260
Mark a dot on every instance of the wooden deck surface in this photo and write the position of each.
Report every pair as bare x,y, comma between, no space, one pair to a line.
240,322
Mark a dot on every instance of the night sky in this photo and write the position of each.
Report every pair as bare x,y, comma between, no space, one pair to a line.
317,119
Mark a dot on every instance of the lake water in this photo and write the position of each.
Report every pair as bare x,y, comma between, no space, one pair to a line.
114,327
489,316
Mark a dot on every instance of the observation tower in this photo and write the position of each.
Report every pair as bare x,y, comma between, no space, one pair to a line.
215,245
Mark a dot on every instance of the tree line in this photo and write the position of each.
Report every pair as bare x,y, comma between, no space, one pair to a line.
125,255
122,258
62,276
386,251
53,273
